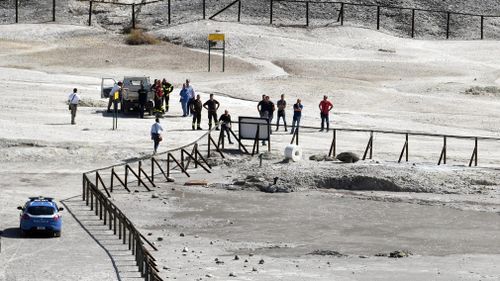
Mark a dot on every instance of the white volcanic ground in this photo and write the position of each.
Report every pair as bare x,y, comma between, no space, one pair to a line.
376,81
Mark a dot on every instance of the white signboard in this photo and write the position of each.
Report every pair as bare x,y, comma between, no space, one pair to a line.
248,128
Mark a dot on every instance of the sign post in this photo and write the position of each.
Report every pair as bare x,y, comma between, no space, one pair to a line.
213,38
116,99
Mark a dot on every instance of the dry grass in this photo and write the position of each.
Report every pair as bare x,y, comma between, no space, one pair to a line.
138,37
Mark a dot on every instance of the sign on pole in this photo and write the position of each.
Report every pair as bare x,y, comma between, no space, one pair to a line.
213,38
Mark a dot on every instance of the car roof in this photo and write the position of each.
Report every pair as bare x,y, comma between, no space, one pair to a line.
41,201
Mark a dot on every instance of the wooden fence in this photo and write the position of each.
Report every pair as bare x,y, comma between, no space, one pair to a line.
368,151
118,222
342,6
98,186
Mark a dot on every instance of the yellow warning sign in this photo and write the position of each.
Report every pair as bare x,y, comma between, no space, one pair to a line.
215,37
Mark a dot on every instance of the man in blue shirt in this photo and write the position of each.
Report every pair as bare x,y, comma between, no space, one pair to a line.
297,114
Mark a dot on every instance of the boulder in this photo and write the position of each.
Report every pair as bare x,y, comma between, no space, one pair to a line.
348,157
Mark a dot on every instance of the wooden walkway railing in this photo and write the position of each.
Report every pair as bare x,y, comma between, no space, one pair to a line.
368,152
96,192
118,222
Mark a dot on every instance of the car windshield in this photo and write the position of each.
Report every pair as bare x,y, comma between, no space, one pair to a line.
134,82
40,210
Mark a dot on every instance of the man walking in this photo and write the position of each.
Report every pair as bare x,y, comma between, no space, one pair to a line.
156,131
225,124
196,107
297,114
191,94
73,100
325,106
211,106
281,112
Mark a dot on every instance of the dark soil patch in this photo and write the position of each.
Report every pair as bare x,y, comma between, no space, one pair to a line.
359,183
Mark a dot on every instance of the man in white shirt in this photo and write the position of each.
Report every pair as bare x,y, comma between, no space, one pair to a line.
191,95
73,100
156,130
112,99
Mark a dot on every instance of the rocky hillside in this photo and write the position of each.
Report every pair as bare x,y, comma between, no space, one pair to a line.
154,16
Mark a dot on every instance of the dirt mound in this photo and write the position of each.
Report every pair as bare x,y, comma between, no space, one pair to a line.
359,183
492,91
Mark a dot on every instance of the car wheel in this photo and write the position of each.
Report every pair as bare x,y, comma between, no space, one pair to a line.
24,233
57,233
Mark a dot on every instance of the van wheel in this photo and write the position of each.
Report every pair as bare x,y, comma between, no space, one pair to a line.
57,233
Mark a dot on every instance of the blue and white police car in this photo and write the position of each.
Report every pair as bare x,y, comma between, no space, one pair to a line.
40,214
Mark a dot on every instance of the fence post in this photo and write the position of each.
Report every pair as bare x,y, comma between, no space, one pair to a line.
271,13
139,173
112,179
448,15
475,144
407,147
83,187
474,154
342,14
443,152
412,23
17,10
169,11
208,153
133,15
239,11
152,170
378,17
53,10
333,145
126,175
90,13
482,27
307,13
204,8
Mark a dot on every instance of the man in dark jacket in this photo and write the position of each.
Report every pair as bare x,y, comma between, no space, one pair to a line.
167,89
143,99
225,124
196,107
211,106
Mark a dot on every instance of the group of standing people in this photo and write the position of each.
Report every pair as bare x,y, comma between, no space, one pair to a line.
193,106
266,109
162,90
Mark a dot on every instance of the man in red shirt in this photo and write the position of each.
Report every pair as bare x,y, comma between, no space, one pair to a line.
325,106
